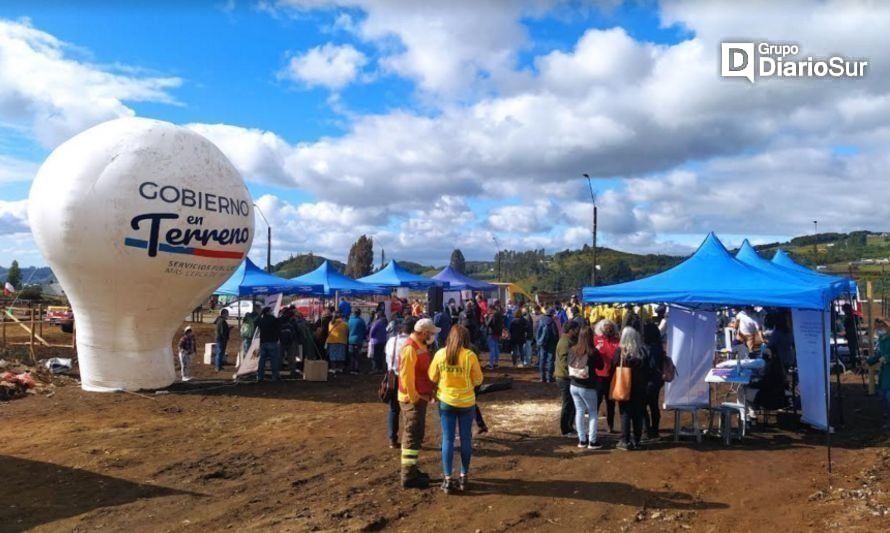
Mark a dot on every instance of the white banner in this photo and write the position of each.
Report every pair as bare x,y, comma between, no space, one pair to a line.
811,341
250,361
691,337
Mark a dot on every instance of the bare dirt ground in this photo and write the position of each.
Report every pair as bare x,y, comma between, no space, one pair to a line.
299,456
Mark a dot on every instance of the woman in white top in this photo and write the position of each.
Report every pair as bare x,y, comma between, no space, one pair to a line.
393,348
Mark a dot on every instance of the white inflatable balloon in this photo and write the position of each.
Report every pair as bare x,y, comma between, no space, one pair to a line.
140,220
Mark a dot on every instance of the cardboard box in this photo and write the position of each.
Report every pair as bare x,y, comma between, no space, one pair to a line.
209,351
315,370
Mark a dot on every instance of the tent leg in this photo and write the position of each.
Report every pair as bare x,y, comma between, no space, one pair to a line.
827,397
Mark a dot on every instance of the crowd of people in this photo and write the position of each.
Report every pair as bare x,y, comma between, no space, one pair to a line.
434,359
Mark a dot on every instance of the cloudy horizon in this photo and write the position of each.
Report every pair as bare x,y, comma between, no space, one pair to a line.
440,125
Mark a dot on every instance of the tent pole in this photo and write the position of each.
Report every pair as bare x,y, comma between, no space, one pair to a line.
827,394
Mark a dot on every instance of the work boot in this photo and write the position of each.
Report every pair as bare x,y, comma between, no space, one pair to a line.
413,478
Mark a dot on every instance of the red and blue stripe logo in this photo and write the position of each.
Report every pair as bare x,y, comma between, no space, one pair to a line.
184,250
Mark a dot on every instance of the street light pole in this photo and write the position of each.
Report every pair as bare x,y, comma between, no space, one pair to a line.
268,239
815,232
593,201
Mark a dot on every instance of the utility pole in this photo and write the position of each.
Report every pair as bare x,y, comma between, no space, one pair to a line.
593,201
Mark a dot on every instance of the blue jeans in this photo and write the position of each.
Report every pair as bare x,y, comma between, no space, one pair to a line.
494,350
585,403
527,353
268,352
462,417
220,352
545,363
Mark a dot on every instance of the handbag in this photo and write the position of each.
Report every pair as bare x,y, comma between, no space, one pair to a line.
620,389
578,367
387,387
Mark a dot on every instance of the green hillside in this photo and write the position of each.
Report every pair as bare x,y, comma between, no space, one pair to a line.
569,270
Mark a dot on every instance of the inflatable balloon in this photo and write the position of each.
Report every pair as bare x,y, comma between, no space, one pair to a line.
140,220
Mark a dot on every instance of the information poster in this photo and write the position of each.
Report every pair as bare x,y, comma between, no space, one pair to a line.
811,341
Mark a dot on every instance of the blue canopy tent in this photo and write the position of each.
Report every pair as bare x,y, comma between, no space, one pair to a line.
784,260
712,277
748,255
392,275
250,280
457,281
336,283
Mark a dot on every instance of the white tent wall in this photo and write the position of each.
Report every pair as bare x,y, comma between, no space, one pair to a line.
691,343
813,349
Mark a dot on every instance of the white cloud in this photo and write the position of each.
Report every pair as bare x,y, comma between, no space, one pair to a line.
14,217
330,66
13,169
53,96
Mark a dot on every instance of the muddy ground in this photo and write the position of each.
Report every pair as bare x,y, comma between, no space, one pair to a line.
299,456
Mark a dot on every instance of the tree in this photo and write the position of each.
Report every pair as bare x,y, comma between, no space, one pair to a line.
14,275
361,257
458,262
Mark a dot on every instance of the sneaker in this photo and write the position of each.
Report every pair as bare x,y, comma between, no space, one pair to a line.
447,485
594,445
571,435
623,446
638,446
462,483
393,443
582,444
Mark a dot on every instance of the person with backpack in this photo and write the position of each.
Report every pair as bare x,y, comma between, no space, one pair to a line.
247,329
222,338
358,332
656,368
456,372
606,342
547,337
583,361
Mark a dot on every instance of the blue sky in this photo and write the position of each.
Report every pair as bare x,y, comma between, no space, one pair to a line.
461,122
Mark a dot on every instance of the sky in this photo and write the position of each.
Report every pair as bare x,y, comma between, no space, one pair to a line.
438,125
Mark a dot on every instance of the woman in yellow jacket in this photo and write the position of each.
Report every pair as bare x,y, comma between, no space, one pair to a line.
456,371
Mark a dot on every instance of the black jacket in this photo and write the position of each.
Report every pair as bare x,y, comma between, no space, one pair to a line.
269,327
520,331
222,328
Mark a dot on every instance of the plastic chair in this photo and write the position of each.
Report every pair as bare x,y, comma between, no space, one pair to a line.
733,408
696,427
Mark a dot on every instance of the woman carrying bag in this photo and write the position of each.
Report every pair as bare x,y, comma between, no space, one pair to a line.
629,386
583,360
